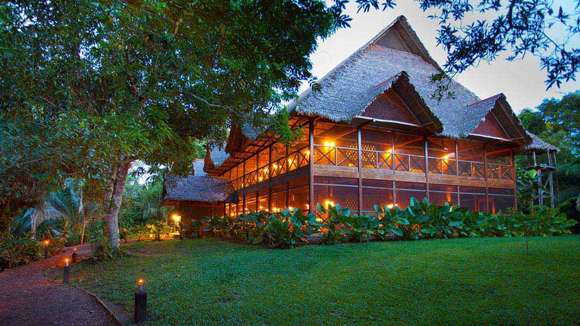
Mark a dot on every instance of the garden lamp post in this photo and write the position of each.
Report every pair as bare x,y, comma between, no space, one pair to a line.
45,244
66,271
140,313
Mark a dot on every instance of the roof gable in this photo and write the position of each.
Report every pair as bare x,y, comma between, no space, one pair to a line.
489,126
390,106
400,36
498,108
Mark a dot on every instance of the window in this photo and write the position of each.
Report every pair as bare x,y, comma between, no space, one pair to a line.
500,199
404,191
376,192
441,194
472,198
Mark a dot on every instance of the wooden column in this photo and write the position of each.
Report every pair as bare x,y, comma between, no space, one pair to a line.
286,190
311,205
485,178
426,150
270,178
515,204
457,170
244,186
394,168
360,190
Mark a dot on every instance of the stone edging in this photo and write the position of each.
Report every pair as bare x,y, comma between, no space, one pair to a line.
103,304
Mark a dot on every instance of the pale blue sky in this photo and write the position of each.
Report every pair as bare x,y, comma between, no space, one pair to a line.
521,81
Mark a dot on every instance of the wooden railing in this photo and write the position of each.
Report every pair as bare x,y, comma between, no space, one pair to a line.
293,161
335,155
442,166
500,171
376,159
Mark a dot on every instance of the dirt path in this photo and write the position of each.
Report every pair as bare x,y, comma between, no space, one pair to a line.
27,297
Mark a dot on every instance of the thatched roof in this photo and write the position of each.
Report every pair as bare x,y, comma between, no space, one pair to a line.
196,188
402,85
476,113
396,49
214,157
394,60
538,144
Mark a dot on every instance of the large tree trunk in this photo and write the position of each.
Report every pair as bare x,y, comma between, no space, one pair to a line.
113,206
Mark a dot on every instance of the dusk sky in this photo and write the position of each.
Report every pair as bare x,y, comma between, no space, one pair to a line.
522,81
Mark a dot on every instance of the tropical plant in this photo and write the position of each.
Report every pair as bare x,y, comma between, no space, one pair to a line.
16,251
335,223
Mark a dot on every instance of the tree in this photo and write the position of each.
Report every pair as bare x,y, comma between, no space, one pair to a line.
110,82
558,123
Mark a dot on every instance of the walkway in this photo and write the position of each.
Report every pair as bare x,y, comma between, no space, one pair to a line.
27,297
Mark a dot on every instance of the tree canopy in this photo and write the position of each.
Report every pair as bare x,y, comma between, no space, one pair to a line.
558,123
90,86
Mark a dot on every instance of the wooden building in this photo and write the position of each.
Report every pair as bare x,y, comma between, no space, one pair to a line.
374,133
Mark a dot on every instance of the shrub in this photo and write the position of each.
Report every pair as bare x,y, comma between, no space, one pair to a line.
420,220
16,251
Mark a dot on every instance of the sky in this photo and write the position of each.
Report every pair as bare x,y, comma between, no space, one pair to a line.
522,81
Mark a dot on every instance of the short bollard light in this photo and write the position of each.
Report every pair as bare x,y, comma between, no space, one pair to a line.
74,256
140,302
66,272
45,244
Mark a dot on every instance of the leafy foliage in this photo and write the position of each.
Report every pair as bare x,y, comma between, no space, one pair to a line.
17,250
420,220
558,123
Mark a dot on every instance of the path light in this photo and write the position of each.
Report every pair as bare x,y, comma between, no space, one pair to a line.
66,273
140,302
45,244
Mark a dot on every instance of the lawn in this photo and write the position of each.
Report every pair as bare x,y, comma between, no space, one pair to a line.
461,281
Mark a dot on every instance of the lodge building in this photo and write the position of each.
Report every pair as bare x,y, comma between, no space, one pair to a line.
374,133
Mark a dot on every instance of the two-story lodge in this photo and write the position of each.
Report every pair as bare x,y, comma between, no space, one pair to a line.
373,134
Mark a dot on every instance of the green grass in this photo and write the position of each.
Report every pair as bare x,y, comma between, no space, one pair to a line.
461,281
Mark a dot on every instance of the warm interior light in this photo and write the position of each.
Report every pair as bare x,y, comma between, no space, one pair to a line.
328,203
307,152
290,208
329,143
307,206
445,157
390,206
176,218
